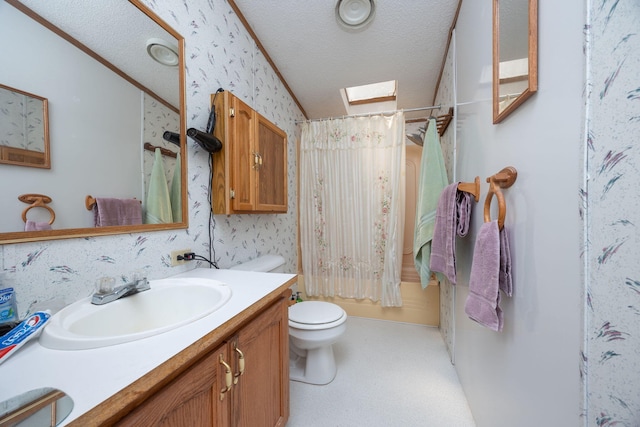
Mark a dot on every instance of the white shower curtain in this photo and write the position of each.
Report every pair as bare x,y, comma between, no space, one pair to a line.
351,207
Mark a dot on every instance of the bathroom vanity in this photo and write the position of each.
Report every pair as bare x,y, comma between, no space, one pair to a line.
229,368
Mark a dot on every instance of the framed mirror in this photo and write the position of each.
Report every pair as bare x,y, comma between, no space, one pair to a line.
109,105
515,54
24,129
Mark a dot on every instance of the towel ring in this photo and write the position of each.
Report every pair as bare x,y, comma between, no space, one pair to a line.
502,207
37,201
503,179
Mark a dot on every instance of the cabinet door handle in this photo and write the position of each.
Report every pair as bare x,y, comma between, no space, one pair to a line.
257,160
240,365
228,377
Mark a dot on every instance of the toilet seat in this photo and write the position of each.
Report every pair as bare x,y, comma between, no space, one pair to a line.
312,315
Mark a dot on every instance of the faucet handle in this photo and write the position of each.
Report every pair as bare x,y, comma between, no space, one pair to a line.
139,280
137,275
105,285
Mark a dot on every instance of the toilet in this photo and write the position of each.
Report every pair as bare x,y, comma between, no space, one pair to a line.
313,328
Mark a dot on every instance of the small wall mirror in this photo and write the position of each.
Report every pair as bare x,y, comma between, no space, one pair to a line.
24,129
109,104
515,54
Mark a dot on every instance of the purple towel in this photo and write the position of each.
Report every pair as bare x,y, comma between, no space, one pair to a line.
484,297
452,217
505,280
36,226
117,212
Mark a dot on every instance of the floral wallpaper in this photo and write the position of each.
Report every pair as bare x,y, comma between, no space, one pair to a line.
158,118
611,359
219,53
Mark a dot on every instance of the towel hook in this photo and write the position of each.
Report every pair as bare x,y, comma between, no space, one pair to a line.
89,202
37,201
503,179
471,187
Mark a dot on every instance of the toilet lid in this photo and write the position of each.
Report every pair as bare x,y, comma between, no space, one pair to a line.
315,312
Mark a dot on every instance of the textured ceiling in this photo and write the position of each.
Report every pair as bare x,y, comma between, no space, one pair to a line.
405,42
121,41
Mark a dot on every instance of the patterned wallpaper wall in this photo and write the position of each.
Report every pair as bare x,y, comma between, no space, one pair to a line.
612,207
157,119
219,53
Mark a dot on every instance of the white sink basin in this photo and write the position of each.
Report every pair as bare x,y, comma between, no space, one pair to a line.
169,304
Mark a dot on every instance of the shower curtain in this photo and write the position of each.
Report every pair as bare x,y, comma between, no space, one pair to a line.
351,207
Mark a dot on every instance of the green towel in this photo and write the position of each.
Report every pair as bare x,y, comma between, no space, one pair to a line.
433,179
175,195
158,201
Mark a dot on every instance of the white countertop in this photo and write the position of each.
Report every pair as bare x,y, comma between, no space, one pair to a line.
91,376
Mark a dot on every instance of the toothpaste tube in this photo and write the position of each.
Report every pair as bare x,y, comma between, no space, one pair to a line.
25,331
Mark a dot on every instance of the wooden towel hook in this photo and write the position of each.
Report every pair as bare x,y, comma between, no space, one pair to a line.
503,179
471,187
89,202
37,201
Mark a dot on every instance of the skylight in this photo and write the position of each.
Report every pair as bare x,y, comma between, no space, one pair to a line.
371,93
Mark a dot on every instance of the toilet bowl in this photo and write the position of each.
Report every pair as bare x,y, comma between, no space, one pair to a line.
314,326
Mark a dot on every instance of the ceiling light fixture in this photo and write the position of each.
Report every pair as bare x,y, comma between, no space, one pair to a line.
163,52
355,15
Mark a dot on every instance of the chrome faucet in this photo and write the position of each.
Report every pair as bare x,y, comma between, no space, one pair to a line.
108,293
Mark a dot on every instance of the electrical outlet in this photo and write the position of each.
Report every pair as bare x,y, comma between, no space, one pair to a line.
174,257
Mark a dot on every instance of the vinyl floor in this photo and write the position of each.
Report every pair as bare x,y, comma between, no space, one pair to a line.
389,374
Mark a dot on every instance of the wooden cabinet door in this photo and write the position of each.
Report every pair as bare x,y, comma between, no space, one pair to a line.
242,139
261,396
250,172
191,400
271,178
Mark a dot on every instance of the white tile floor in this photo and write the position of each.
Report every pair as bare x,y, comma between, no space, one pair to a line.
389,374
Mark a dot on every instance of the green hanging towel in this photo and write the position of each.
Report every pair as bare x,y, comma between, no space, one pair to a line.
433,179
158,201
175,194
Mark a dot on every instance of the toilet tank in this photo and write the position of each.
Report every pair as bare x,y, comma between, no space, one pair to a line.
265,263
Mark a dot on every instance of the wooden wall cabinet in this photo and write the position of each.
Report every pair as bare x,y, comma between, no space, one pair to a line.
250,172
242,383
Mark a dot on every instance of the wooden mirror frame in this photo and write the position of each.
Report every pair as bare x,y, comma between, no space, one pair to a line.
532,87
69,233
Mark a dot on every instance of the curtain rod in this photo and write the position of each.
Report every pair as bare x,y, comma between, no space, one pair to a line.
433,107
